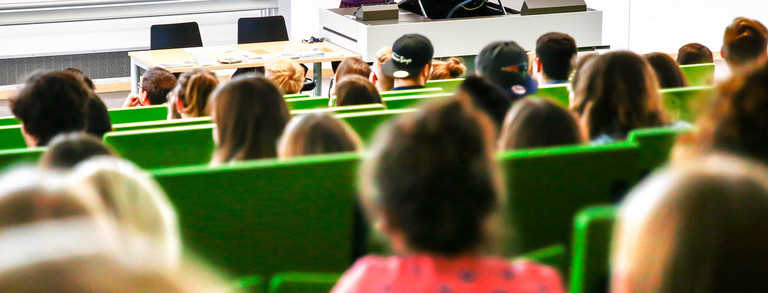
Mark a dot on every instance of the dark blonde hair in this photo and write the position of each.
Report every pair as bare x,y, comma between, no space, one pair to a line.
356,90
250,115
318,133
452,68
286,74
534,123
697,227
618,94
744,41
193,90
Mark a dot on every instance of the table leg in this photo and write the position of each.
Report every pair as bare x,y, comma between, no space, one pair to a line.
318,76
134,77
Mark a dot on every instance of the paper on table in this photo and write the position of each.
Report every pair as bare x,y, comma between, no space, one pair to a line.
208,50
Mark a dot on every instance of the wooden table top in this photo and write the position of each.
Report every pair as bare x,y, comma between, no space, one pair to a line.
181,60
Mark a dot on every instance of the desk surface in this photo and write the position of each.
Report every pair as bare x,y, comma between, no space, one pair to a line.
162,58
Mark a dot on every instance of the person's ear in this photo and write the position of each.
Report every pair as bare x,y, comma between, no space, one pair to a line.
143,100
179,105
28,138
427,71
538,64
722,52
373,78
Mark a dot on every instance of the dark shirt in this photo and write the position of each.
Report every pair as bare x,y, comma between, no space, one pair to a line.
410,87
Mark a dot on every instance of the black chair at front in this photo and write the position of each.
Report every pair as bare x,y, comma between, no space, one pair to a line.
265,29
175,35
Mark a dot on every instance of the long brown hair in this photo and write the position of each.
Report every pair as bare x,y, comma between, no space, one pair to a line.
356,90
250,115
533,123
618,94
318,133
667,70
193,90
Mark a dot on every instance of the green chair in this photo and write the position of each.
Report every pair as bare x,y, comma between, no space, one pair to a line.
138,114
251,284
296,96
164,147
558,93
413,92
268,216
553,256
9,120
404,102
366,123
699,74
547,187
303,283
10,158
655,146
687,103
11,137
593,229
161,124
447,85
342,109
306,103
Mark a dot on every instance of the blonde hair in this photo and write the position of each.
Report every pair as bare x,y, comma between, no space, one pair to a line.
318,133
193,89
286,74
383,82
453,68
697,227
135,201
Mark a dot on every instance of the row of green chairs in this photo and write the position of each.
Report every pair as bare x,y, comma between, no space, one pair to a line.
290,283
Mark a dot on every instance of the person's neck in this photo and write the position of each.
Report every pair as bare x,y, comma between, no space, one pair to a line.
408,82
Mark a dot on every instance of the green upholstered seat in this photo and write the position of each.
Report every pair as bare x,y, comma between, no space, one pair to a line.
296,96
250,284
593,230
447,85
11,137
404,102
303,282
366,123
12,157
699,74
413,92
161,124
9,120
268,216
306,103
558,93
138,114
547,187
164,147
655,146
687,103
341,109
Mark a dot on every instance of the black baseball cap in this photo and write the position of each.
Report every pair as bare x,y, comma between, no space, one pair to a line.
410,53
506,65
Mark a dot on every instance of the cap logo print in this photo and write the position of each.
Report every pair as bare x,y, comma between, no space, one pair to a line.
401,59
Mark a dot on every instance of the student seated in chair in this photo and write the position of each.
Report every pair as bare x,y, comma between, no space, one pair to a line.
411,62
555,57
382,82
189,98
506,65
694,53
538,123
667,70
155,85
744,44
50,103
318,133
356,90
449,69
286,74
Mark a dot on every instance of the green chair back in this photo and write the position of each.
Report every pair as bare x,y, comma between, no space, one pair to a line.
9,158
366,123
404,102
447,85
11,137
9,120
593,229
164,147
687,103
250,284
268,216
161,124
655,146
138,114
413,92
547,187
699,74
306,103
342,109
553,256
296,96
303,283
558,93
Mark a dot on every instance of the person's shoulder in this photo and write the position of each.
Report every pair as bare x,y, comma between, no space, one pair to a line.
362,274
544,277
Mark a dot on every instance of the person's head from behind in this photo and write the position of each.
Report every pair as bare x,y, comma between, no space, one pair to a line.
697,227
286,74
694,53
382,81
431,184
192,92
250,115
350,67
356,90
156,83
618,94
556,55
536,123
50,103
81,75
744,43
99,122
411,62
667,70
319,133
506,65
66,150
449,69
134,201
488,98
